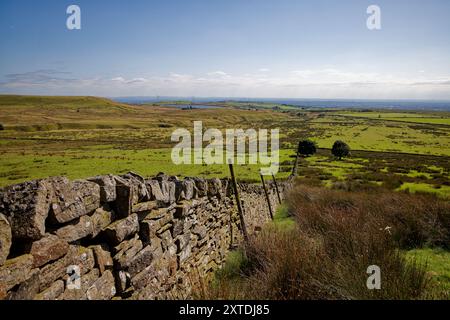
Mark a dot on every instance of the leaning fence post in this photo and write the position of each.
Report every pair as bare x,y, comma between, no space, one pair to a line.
238,201
276,188
267,195
295,167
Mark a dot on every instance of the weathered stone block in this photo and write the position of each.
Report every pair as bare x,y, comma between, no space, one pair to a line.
182,241
140,192
123,280
27,289
73,199
5,238
79,229
143,278
107,187
103,288
15,271
26,207
103,259
214,187
185,254
178,227
147,230
155,191
128,250
101,219
172,188
143,209
124,198
172,264
166,240
47,249
201,187
168,187
156,248
200,230
55,290
140,261
122,229
188,189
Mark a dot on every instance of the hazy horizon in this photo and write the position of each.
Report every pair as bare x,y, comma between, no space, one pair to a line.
259,49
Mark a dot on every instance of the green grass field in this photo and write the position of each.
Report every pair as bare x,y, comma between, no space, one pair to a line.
85,136
440,118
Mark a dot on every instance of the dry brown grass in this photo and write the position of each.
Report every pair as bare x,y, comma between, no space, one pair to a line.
338,235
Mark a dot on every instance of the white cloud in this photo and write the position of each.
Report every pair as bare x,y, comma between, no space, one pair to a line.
118,79
218,73
130,81
320,83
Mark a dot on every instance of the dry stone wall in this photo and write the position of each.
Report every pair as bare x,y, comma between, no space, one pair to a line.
120,237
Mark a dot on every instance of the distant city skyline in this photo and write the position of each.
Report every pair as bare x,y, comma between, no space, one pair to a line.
235,48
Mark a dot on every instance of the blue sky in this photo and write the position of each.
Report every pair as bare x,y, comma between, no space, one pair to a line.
240,48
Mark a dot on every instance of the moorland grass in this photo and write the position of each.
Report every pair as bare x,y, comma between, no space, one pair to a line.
337,235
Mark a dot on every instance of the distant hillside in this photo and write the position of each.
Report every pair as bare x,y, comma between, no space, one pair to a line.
44,113
61,102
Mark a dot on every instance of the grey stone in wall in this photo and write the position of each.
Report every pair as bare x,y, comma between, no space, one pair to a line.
47,249
124,198
14,272
101,219
107,185
76,230
188,189
26,207
102,255
154,189
119,230
27,289
122,281
53,292
126,251
5,238
73,199
103,288
140,191
201,187
141,260
214,187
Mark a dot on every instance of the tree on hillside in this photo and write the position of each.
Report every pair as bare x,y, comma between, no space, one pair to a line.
340,149
306,148
1,127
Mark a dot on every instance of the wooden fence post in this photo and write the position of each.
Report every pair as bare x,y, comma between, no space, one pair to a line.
276,188
238,201
267,196
295,167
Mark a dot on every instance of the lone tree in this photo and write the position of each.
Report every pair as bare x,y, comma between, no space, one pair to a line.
1,127
340,149
306,148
